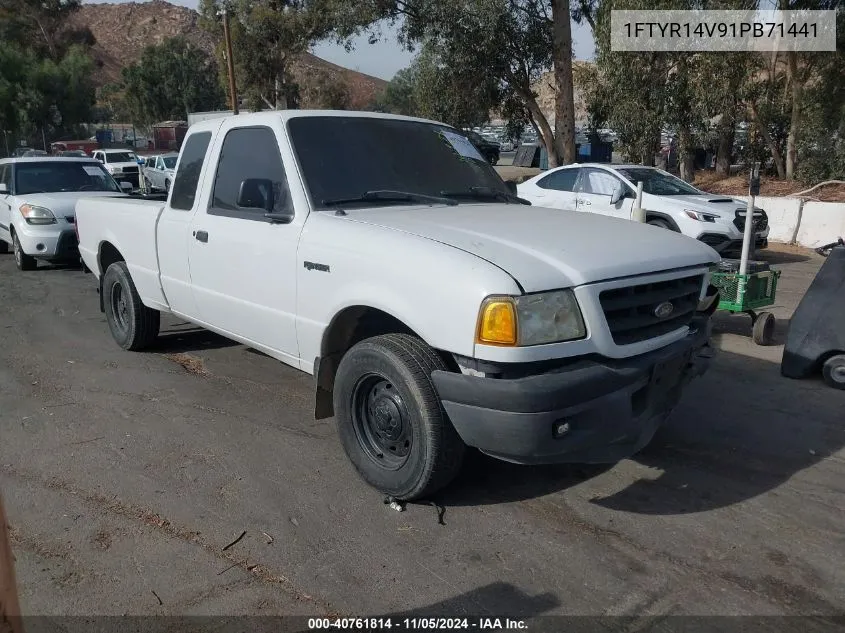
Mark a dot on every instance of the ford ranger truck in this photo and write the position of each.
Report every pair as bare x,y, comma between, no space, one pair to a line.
435,309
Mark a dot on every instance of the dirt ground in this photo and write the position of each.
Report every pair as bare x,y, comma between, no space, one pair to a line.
192,479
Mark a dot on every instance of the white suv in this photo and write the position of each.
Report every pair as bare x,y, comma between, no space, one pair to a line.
120,163
670,203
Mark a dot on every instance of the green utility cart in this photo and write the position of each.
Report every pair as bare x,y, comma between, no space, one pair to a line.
747,293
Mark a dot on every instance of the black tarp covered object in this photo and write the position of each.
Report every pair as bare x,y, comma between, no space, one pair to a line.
817,329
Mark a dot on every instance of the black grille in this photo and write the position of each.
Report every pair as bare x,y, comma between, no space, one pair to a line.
761,220
630,311
130,170
68,247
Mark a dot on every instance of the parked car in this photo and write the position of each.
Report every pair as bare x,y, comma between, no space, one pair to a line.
158,171
37,200
488,149
542,347
120,163
670,203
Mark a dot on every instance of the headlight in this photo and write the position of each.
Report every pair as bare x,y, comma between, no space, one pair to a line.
535,319
37,215
701,217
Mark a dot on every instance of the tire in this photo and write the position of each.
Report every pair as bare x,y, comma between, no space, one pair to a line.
133,325
148,186
763,330
663,224
22,260
833,371
408,448
166,186
4,247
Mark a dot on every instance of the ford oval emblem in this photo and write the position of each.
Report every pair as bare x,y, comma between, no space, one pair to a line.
664,310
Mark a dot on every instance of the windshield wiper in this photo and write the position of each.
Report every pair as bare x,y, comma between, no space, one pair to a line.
387,195
485,193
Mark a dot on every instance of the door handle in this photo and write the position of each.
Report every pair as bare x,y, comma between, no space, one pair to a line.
202,236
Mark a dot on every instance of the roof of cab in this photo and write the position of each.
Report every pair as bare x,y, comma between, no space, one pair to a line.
286,115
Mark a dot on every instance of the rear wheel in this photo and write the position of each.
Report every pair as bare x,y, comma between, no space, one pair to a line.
23,261
167,186
390,419
833,371
133,325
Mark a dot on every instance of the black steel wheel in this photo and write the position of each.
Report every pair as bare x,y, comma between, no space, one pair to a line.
382,421
133,325
390,420
833,371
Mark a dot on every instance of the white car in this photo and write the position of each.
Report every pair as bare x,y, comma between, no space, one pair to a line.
434,309
120,163
158,172
37,205
669,202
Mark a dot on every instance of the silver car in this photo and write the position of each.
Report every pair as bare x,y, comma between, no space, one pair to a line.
158,172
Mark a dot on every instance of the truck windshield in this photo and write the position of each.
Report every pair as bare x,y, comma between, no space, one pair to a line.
345,158
51,177
658,183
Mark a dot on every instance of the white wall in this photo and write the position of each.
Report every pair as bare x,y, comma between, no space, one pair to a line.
820,222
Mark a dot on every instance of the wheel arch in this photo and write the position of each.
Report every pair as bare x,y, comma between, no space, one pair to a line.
658,215
352,325
107,254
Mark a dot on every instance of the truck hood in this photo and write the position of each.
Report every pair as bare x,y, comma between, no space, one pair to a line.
63,202
545,249
705,203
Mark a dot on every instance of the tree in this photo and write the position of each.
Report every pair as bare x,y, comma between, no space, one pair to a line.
269,35
507,42
171,80
38,24
398,95
326,91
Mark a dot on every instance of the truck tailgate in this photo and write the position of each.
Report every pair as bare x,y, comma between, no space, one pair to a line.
128,226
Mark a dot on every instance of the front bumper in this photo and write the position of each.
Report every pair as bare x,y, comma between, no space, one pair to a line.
612,407
723,244
49,242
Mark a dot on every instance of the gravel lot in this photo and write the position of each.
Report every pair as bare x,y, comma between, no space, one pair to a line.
127,475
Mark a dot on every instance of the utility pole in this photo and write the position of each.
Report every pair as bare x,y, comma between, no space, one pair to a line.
230,65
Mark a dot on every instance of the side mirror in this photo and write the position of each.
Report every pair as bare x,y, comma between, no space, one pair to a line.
126,187
4,189
257,193
617,194
511,185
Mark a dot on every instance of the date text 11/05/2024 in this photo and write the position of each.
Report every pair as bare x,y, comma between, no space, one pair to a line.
386,623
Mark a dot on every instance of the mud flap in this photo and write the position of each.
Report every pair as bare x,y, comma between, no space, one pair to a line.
817,328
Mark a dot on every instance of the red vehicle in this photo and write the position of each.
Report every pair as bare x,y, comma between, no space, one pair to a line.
67,146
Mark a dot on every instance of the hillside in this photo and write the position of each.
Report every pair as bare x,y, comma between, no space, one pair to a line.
122,31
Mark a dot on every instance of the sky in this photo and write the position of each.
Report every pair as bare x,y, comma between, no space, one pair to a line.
386,57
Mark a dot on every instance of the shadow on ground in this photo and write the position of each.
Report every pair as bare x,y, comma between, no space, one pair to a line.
739,432
189,338
776,257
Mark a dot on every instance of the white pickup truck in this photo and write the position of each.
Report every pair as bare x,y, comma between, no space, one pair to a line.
436,310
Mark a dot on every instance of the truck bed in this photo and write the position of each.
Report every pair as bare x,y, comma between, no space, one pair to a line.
129,224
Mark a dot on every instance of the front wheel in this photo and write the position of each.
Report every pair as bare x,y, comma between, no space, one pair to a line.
390,419
22,260
663,224
167,186
133,325
833,371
